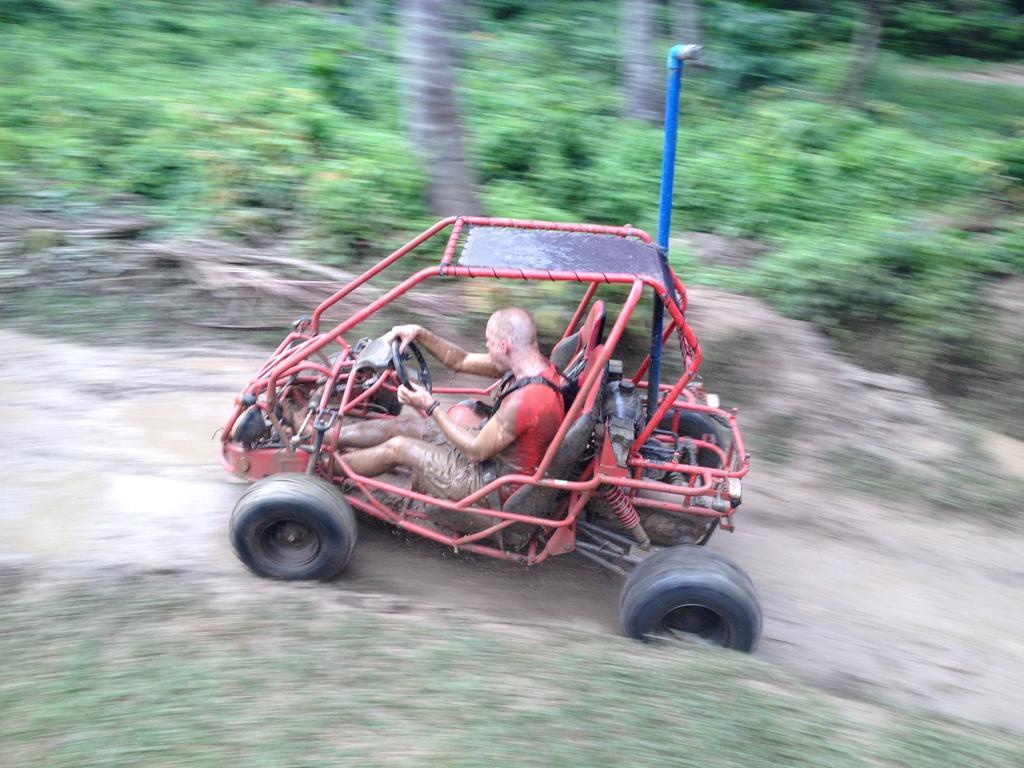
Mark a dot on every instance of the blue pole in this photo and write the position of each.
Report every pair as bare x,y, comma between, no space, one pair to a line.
676,56
668,155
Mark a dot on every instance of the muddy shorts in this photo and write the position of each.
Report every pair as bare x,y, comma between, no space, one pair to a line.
445,473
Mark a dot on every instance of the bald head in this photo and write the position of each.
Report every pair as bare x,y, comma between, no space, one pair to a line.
512,340
517,326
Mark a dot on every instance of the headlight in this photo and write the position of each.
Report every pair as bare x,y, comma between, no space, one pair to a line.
712,400
735,490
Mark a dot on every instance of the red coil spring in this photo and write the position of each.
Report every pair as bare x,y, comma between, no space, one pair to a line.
621,505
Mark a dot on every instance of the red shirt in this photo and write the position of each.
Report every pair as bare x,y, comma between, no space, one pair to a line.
538,418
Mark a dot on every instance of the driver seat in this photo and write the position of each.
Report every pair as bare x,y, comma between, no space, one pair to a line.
543,501
570,356
568,351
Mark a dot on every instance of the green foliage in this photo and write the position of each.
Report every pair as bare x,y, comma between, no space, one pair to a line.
932,104
920,288
16,11
630,159
833,20
563,144
981,29
346,75
754,47
805,168
984,29
370,189
208,110
253,118
156,169
1012,155
503,10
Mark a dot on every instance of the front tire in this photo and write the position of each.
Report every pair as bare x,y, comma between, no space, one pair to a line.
293,527
687,590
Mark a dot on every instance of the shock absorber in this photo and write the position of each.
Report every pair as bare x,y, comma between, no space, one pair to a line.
624,510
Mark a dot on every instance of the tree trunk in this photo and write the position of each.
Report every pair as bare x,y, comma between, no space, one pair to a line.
643,77
865,52
432,115
369,17
686,23
685,15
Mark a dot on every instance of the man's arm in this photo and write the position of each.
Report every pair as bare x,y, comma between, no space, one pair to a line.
497,435
451,355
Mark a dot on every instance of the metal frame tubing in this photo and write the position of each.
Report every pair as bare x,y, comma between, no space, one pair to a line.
293,355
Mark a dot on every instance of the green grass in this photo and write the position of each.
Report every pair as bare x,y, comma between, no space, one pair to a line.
158,671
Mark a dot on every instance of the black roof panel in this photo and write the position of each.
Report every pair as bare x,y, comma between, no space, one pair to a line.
515,248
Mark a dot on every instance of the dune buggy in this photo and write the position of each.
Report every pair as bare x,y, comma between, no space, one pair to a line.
638,476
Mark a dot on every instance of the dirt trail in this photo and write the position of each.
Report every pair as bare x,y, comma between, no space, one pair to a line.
109,461
1002,74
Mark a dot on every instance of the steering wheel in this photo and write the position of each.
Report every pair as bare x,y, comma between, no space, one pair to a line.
398,359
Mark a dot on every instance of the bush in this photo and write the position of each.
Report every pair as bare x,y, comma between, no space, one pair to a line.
910,297
368,196
985,29
623,181
20,11
1012,156
345,77
804,168
750,48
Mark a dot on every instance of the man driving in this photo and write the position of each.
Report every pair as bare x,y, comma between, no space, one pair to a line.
447,458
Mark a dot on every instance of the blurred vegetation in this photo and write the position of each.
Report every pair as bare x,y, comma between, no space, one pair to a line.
981,29
254,119
151,670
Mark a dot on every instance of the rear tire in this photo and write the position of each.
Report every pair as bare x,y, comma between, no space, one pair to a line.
691,591
293,527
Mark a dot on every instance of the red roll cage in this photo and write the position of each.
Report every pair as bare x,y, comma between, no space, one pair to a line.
293,359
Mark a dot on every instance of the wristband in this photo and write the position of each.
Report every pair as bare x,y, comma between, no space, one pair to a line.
431,408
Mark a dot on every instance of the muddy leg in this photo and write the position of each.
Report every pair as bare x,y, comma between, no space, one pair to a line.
367,434
394,452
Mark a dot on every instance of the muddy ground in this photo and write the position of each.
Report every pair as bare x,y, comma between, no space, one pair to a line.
108,463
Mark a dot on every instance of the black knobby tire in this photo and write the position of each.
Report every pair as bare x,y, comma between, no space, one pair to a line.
293,527
691,590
